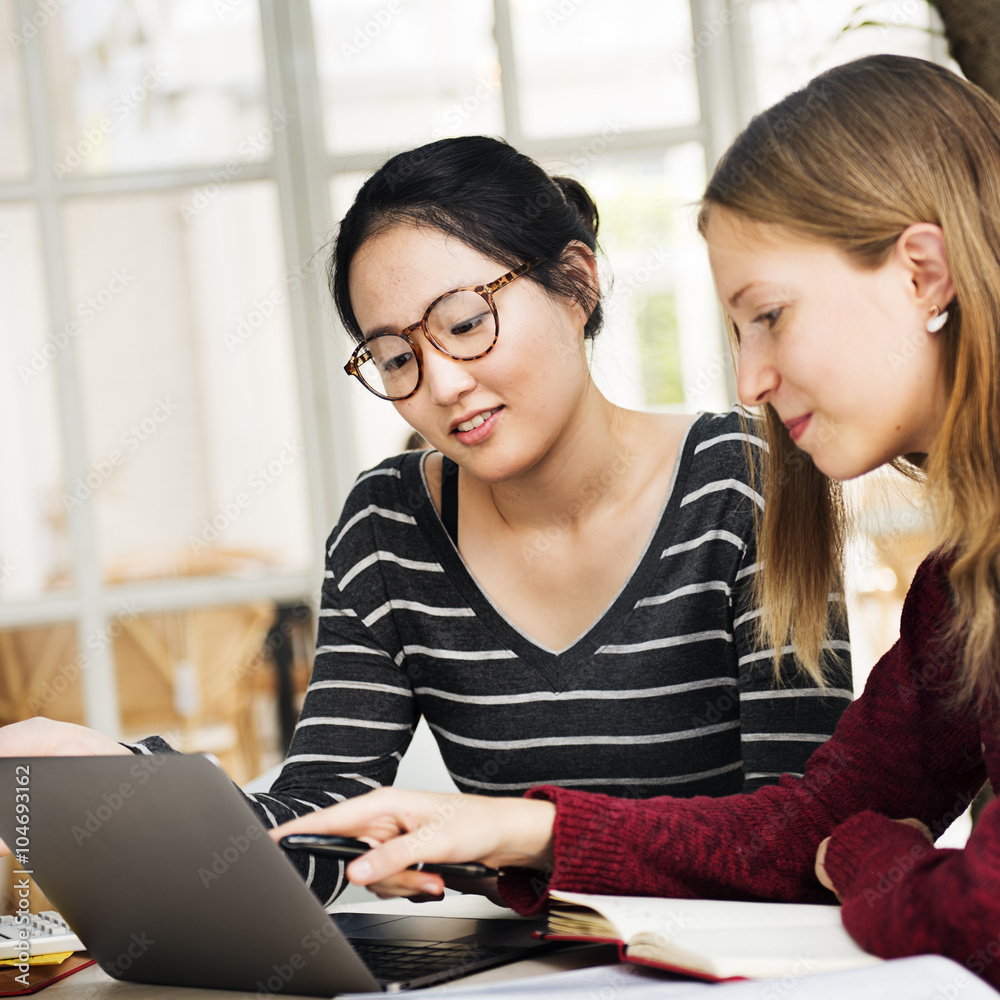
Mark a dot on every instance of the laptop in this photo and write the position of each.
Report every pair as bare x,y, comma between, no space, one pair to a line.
164,872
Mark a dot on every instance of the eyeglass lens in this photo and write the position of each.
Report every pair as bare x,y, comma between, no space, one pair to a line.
461,324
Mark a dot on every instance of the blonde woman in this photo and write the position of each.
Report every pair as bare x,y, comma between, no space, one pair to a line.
854,234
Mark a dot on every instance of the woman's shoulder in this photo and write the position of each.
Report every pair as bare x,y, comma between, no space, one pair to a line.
930,595
388,480
702,448
722,445
392,489
735,427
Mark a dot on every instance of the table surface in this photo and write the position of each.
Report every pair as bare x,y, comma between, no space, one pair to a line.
94,984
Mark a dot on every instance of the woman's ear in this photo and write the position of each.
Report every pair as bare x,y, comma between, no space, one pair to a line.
577,258
921,250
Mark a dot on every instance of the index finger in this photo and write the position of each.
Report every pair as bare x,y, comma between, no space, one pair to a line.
356,817
391,857
393,820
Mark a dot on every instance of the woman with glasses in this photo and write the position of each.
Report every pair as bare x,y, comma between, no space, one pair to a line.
563,588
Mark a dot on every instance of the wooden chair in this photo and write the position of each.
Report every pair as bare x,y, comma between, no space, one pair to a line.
199,677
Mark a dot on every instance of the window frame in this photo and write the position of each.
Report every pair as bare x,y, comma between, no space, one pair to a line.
302,171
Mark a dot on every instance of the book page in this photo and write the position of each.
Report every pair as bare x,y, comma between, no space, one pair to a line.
756,951
632,915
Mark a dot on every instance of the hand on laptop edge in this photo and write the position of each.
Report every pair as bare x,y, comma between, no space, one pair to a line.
406,827
41,737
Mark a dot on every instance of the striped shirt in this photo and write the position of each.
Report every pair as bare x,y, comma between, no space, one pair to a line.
665,694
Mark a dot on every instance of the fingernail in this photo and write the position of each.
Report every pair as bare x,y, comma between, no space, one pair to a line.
431,888
361,872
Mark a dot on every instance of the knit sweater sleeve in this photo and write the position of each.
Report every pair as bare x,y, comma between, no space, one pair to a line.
359,712
896,751
903,897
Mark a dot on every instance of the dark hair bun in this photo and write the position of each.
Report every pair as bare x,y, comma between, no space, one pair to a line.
576,194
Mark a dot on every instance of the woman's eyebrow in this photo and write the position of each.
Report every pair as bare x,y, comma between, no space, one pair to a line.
734,300
378,331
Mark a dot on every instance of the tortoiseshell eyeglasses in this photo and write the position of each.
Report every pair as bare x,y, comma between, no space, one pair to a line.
462,324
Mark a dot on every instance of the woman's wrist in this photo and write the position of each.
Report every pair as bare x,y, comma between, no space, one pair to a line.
529,833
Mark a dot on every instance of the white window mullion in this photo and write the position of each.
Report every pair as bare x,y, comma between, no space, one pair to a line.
510,94
100,694
300,164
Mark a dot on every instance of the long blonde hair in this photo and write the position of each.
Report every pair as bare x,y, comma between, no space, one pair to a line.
861,153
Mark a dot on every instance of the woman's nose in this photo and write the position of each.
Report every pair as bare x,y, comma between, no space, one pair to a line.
756,376
445,378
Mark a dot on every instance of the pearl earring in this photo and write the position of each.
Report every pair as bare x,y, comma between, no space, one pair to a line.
937,320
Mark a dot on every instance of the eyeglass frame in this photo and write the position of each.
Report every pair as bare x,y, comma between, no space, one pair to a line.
485,291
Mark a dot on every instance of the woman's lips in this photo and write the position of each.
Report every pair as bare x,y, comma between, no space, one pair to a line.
797,427
473,422
481,431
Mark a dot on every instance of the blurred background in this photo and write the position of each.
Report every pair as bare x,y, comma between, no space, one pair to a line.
176,433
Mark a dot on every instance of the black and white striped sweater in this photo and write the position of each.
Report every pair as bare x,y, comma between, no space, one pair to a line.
665,694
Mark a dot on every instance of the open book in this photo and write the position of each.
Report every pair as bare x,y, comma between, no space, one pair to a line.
709,938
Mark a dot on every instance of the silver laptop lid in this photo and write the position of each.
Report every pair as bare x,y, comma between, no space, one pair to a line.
163,871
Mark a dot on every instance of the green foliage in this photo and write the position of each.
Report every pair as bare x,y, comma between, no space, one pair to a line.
659,349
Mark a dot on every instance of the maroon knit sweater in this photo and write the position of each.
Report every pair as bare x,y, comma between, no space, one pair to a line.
898,751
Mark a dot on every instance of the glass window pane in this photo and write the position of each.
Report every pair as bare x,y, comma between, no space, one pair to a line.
399,74
34,532
188,383
41,669
15,157
661,346
793,40
139,86
200,678
588,68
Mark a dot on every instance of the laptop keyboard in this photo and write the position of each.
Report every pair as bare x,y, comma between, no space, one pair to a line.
397,963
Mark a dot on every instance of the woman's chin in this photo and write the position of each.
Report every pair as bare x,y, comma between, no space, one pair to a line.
842,467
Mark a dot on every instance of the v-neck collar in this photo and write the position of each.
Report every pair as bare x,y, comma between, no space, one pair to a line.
552,664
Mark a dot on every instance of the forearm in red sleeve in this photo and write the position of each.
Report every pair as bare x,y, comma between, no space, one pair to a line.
901,896
740,847
759,846
897,751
